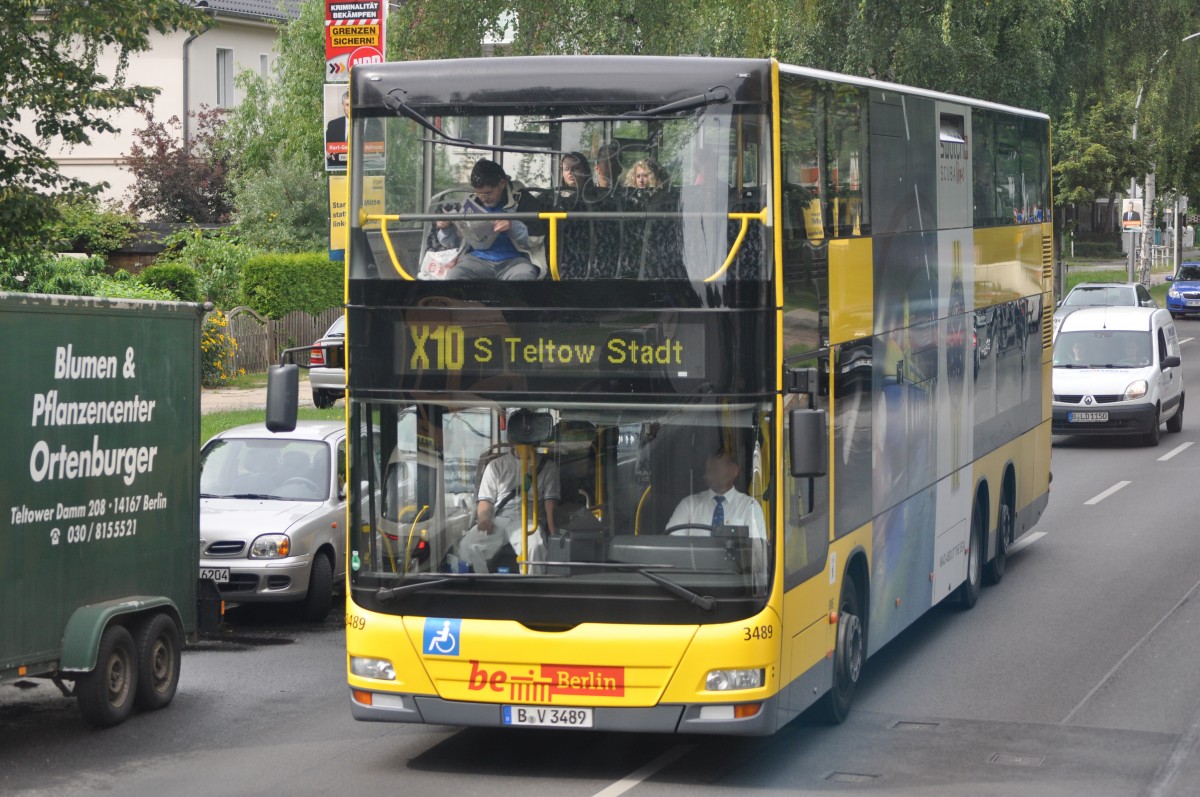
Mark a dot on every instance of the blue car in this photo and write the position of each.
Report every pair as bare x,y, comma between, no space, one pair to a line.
1183,297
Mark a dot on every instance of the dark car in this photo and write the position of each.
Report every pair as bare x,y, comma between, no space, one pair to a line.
1183,297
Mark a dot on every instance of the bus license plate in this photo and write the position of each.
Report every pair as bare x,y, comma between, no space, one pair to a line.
544,716
217,574
1087,417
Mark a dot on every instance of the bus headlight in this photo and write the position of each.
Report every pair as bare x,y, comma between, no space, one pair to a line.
730,680
1135,390
378,669
270,546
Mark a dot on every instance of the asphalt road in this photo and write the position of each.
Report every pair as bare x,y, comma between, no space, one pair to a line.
1075,676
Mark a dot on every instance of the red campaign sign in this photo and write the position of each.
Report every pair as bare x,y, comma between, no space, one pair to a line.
354,33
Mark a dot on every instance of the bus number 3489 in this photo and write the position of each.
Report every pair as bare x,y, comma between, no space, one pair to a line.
758,632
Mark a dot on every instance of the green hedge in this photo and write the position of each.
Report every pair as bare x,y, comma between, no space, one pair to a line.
178,279
276,284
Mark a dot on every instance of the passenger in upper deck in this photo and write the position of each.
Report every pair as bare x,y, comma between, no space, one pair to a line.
503,249
608,168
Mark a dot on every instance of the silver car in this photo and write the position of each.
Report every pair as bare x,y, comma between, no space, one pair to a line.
327,371
1102,294
273,514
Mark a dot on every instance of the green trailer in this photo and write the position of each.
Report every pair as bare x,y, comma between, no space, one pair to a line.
100,513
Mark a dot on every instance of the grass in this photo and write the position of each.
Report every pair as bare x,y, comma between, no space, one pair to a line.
215,422
1159,292
246,381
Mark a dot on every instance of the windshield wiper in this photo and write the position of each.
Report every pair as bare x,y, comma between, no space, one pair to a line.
256,496
705,602
398,105
715,95
387,593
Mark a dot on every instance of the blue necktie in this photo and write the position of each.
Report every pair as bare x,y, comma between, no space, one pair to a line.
719,511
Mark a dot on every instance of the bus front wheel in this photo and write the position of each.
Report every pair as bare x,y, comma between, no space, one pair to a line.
848,655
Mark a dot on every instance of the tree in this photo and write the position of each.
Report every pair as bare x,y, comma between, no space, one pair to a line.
174,184
275,140
50,53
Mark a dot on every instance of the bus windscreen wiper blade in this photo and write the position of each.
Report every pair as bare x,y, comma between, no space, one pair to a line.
402,108
715,95
704,602
387,593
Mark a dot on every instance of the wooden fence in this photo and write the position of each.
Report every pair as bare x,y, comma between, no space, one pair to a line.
259,339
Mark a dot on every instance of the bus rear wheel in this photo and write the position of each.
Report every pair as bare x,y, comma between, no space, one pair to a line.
968,591
848,655
1005,529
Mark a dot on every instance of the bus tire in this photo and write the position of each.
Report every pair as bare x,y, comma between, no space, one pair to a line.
158,648
968,591
849,652
319,599
106,694
1005,528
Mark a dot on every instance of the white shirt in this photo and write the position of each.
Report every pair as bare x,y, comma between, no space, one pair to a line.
502,475
740,510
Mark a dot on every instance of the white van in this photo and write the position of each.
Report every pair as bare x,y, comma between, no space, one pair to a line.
1117,371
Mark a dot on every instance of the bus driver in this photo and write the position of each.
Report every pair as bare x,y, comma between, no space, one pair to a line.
721,504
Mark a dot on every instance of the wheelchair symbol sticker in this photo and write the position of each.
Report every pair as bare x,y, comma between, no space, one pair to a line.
441,636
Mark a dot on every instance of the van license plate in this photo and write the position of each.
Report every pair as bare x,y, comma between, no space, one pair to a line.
217,574
1087,417
545,716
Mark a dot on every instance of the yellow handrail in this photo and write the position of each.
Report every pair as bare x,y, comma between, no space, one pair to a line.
553,219
745,218
411,530
383,219
637,515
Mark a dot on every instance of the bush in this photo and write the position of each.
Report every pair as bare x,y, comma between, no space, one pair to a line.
217,258
124,285
217,346
85,225
275,285
179,279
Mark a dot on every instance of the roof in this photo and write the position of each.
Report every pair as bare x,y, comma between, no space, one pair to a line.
254,9
1110,318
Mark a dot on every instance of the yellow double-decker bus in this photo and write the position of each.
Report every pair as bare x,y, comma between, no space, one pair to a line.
821,298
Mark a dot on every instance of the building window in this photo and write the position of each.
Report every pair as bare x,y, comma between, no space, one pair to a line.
264,64
224,77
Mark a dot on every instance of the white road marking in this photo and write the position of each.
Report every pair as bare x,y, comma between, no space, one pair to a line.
1185,340
1109,675
1106,493
629,781
1176,450
1026,541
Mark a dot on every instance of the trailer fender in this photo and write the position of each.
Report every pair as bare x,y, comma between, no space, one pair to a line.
81,639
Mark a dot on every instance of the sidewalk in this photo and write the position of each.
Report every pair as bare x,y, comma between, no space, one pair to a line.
220,399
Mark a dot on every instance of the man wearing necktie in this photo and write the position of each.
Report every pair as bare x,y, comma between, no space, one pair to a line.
721,504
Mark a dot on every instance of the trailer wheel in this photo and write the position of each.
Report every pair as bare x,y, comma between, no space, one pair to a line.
106,693
158,649
319,599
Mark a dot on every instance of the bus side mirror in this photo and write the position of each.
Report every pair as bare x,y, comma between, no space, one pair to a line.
283,397
809,443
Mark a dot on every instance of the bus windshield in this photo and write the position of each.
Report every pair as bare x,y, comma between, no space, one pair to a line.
636,193
619,505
